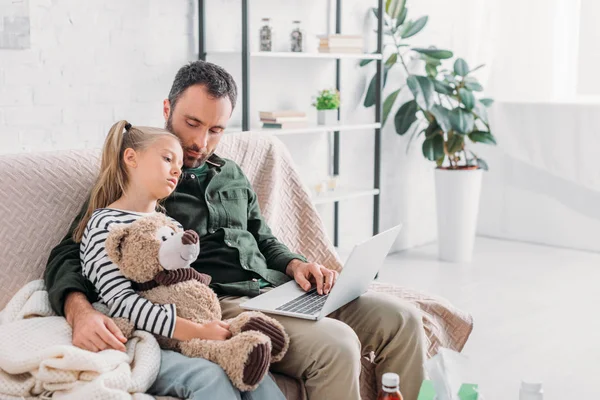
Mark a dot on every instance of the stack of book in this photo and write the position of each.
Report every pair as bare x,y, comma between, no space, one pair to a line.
283,119
341,44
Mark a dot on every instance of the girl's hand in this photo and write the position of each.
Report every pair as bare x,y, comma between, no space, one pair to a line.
215,330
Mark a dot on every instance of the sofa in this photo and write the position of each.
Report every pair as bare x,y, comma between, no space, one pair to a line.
42,192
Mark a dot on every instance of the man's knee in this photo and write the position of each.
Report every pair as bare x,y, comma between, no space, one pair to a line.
340,343
412,319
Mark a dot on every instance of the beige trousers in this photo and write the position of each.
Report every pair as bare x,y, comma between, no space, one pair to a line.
327,353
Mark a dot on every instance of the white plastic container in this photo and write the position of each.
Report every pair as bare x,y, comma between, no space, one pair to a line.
531,391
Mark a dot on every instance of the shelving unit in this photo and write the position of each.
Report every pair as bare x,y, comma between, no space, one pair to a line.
340,127
343,194
289,54
246,55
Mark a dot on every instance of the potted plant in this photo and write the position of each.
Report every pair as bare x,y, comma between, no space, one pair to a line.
446,110
327,104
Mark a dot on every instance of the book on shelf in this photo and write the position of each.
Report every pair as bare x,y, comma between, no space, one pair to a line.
281,114
341,41
341,50
285,125
279,120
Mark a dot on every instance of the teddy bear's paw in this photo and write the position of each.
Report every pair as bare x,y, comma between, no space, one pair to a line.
273,330
125,326
257,364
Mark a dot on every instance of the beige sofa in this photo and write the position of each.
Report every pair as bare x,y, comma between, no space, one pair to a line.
42,192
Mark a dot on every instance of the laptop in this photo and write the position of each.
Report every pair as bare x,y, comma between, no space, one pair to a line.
359,270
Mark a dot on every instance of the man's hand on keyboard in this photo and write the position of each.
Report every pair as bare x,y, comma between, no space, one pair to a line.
306,273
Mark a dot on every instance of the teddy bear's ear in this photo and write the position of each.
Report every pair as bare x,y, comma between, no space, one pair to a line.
113,243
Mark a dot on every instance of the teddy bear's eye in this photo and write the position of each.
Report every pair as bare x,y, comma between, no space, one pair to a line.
172,233
164,238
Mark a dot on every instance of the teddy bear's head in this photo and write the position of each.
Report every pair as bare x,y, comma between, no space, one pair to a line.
150,245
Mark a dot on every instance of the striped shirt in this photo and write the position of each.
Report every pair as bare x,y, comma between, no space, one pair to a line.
112,287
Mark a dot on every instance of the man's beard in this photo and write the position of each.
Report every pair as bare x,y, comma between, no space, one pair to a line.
188,162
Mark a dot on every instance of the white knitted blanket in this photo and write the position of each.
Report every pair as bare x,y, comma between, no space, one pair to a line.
37,359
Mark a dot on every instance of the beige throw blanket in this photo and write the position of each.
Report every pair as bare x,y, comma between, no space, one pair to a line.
38,359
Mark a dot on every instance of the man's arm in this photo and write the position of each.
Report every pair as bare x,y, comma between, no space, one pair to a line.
63,271
279,257
277,254
70,295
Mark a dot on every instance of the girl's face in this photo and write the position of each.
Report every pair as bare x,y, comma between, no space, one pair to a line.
157,168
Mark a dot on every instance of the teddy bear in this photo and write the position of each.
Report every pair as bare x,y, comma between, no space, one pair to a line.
155,254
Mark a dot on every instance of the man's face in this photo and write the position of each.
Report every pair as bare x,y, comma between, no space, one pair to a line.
199,121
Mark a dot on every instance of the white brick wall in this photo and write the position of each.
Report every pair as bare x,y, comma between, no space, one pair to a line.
97,61
91,63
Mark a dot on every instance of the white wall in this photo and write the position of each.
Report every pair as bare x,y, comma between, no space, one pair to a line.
90,64
543,185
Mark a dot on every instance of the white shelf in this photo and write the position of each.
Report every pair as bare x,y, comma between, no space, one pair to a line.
342,194
289,54
310,129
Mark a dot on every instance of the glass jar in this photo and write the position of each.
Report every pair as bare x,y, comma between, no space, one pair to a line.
266,35
296,38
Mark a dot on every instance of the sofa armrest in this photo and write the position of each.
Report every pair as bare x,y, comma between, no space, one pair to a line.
445,325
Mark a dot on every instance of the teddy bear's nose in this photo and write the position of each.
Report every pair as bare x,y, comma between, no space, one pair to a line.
189,237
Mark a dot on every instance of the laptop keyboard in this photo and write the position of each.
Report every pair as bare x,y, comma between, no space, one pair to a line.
309,303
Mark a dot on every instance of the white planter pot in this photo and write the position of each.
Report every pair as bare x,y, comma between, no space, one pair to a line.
327,117
457,199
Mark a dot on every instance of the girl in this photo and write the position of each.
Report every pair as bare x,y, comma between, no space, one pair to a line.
141,166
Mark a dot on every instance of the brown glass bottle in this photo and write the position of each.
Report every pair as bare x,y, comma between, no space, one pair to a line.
390,388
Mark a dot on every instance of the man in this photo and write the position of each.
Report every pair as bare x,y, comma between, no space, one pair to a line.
239,251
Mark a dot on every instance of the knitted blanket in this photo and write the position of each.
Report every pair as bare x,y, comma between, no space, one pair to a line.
37,358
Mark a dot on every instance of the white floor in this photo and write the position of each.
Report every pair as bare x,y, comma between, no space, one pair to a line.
535,310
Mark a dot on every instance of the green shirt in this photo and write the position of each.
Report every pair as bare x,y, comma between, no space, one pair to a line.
237,248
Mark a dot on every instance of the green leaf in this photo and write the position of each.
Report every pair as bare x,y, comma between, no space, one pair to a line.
467,98
431,60
416,133
393,8
461,121
402,17
481,111
487,102
455,144
440,161
375,9
389,3
482,137
365,62
433,129
431,70
442,88
391,60
370,97
405,117
388,104
442,116
461,68
435,53
422,89
482,164
433,148
414,27
450,78
472,84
